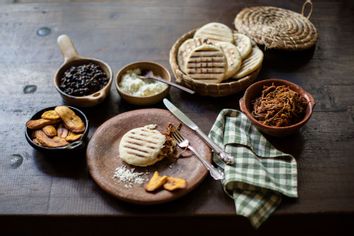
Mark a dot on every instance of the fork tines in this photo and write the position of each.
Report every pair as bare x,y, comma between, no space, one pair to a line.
176,135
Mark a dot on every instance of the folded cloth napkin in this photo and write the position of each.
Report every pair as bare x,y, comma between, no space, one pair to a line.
261,173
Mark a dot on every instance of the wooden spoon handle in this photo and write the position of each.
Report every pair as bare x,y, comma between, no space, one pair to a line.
67,48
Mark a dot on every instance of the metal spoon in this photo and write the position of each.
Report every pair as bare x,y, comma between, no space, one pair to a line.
150,75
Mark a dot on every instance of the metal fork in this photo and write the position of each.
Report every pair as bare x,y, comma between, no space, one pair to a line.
184,143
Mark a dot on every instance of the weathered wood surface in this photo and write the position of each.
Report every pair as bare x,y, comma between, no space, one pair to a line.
124,31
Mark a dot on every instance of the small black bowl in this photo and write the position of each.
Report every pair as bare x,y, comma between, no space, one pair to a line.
72,147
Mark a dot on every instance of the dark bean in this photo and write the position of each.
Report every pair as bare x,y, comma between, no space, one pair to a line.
83,80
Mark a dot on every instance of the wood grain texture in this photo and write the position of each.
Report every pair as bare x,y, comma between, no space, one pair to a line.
123,32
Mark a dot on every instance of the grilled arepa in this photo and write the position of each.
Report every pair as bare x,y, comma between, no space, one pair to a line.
144,146
215,32
207,63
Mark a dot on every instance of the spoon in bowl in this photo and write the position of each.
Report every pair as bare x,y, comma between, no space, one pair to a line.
150,75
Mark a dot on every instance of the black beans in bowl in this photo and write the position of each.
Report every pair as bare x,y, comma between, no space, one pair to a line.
83,80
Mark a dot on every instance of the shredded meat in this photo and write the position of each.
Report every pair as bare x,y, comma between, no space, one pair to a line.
169,148
279,106
171,128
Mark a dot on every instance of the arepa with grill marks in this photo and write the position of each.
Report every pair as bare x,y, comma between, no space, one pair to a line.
207,63
243,44
142,146
215,32
185,49
233,58
251,63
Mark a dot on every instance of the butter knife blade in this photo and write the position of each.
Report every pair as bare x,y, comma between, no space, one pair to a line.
227,158
180,115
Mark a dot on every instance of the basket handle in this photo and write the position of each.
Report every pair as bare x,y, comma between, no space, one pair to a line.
304,6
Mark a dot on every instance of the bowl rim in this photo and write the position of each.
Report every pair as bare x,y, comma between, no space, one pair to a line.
89,96
309,98
118,74
83,137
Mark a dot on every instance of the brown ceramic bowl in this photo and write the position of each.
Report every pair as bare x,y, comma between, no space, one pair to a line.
255,90
72,58
157,69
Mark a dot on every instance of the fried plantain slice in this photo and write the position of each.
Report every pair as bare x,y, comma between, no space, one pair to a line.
70,119
174,183
50,115
72,137
37,142
155,182
62,131
44,140
40,123
50,131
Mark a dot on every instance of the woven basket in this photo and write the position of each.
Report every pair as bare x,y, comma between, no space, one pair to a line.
278,28
213,90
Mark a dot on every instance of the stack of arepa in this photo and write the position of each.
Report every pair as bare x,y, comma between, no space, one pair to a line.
216,54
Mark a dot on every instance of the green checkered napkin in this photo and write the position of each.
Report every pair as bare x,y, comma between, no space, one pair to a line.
261,173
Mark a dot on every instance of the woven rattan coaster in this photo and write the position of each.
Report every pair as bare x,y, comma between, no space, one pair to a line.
277,28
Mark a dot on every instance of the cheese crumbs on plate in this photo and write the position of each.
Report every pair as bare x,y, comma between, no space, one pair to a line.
128,176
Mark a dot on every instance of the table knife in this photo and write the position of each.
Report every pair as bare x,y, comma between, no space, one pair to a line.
227,158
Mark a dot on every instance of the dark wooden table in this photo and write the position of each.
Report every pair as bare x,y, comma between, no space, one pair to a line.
40,194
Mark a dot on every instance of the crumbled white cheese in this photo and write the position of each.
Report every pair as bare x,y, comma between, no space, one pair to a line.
128,176
151,126
132,84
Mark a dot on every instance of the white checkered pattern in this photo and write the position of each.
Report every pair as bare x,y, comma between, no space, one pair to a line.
261,173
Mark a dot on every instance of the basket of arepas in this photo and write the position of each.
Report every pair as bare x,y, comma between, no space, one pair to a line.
215,60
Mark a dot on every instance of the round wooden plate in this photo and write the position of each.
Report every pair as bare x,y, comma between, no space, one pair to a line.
103,157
